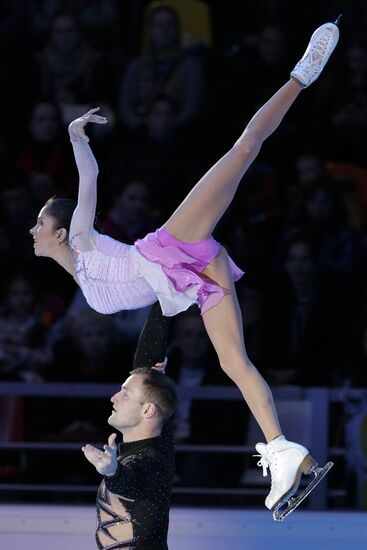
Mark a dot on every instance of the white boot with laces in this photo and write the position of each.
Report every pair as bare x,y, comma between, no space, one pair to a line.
287,462
320,47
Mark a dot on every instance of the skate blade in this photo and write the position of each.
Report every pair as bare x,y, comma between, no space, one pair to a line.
293,502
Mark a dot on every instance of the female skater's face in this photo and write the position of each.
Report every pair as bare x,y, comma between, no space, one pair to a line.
45,236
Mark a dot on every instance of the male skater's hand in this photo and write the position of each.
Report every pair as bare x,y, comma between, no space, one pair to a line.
76,127
105,461
161,367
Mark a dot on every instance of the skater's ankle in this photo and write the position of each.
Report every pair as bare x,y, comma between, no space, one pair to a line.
276,437
297,82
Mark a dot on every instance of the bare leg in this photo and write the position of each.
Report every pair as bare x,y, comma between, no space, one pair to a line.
201,210
224,327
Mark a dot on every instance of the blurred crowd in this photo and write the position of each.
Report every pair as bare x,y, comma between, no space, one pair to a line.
178,81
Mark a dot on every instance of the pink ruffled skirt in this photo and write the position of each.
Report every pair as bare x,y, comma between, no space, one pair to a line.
183,264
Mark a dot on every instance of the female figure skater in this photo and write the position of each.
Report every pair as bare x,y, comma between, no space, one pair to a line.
181,264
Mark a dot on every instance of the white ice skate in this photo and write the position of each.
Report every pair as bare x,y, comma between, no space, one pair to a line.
319,49
287,462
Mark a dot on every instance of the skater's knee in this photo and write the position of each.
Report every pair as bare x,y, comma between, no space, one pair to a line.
249,144
235,365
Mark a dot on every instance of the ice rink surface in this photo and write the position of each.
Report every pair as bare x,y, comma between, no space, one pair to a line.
72,527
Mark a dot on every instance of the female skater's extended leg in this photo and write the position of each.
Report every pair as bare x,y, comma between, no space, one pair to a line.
224,327
199,213
287,460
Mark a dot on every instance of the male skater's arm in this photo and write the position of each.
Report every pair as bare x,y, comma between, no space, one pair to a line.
153,339
152,349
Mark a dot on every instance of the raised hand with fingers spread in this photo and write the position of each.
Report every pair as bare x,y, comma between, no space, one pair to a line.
104,461
76,127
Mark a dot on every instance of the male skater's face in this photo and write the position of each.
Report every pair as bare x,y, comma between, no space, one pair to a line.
128,404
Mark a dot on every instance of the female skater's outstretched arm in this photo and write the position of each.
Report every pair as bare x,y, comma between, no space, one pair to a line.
84,214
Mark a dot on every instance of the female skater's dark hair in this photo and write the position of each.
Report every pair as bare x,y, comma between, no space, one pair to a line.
61,210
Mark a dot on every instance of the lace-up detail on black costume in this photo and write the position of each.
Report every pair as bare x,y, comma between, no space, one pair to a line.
133,504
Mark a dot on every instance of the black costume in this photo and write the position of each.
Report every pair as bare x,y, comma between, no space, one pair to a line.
133,504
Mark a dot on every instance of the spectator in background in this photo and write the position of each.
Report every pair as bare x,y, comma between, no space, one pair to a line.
131,215
306,335
5,252
271,59
16,208
308,167
90,350
42,154
352,180
99,18
70,71
24,349
348,115
127,324
164,68
322,215
158,153
262,52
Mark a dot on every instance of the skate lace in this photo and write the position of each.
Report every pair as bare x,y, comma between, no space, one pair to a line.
266,461
319,48
263,463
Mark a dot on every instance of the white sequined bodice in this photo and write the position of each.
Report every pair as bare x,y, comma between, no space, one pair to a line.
110,276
